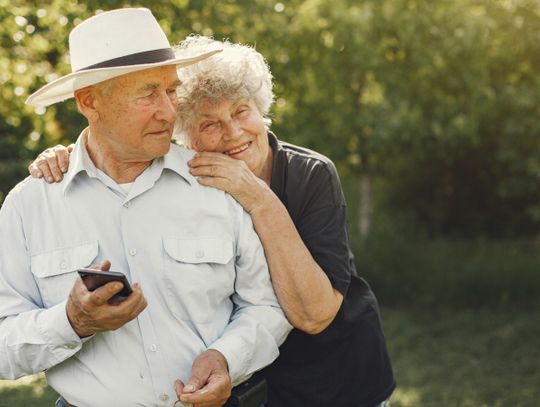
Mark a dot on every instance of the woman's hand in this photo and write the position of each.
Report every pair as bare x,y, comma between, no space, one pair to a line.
52,163
230,175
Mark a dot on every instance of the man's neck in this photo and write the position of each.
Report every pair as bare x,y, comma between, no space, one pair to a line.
120,168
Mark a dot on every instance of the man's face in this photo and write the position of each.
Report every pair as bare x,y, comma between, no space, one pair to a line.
235,128
136,114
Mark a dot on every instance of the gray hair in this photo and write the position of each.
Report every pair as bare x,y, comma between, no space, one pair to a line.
238,72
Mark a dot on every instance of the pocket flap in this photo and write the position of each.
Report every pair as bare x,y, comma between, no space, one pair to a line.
199,250
65,260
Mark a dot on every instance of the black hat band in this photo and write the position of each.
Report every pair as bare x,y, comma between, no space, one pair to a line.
140,58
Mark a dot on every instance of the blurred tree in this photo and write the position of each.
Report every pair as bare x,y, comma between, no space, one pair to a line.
438,100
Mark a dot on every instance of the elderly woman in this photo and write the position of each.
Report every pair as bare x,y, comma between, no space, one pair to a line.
337,355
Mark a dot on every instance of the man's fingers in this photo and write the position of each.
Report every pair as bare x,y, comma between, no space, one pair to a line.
105,265
100,296
178,387
134,304
195,382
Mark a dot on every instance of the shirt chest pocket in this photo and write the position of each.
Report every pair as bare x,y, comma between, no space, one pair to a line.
55,270
199,277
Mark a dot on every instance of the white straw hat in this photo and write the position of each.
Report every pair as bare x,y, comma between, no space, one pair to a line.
108,45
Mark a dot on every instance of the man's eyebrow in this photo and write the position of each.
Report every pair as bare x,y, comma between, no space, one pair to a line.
154,86
148,86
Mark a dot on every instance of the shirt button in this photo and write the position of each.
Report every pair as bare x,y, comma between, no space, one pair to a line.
133,251
127,204
164,397
153,347
71,346
199,254
63,265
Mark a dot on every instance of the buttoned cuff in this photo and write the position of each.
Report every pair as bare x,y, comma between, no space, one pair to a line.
240,357
229,348
54,325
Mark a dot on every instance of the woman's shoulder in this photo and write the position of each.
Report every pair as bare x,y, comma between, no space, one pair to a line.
303,160
305,172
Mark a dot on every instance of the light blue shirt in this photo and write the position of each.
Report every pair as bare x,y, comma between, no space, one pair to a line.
194,252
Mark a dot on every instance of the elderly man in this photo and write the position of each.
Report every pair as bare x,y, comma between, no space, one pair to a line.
208,315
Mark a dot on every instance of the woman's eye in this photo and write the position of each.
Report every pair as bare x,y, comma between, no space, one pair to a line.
242,111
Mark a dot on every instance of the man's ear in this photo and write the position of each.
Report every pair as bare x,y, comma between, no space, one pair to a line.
86,102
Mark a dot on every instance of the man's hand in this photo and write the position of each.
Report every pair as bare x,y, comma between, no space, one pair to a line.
52,163
89,312
209,384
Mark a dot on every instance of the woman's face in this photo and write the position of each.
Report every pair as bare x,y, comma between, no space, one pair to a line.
234,128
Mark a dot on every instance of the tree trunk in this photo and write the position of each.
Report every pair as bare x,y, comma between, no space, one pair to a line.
364,206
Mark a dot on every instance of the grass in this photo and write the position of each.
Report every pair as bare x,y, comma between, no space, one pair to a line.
467,358
442,358
27,391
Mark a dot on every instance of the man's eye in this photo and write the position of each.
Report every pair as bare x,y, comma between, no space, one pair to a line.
208,125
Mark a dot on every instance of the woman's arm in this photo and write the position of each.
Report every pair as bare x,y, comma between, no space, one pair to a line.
302,287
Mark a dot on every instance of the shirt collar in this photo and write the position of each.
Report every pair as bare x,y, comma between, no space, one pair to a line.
79,161
176,160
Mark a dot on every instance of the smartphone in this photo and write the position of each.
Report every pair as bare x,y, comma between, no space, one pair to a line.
93,279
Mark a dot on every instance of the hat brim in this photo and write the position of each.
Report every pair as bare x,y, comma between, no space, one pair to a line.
63,88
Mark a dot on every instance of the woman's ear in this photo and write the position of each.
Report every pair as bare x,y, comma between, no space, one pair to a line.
86,102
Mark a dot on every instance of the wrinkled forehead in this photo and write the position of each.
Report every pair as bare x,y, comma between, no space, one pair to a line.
160,77
211,106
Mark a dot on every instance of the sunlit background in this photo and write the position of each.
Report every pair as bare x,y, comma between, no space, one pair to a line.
430,110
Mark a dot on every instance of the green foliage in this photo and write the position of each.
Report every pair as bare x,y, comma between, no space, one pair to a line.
405,269
439,99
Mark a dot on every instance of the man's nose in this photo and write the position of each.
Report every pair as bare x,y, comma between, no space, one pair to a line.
167,108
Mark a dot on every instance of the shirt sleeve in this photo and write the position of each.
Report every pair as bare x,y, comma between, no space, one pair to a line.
321,222
258,325
32,339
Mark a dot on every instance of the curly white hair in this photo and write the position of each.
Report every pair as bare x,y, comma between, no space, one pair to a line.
239,72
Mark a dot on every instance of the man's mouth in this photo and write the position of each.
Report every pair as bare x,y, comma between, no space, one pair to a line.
237,150
160,132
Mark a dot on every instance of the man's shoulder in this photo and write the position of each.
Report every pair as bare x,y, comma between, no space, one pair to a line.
179,156
29,187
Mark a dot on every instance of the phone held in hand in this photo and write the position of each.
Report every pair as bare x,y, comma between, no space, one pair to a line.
93,279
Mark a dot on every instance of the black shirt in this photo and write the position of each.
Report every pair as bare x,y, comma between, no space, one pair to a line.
346,365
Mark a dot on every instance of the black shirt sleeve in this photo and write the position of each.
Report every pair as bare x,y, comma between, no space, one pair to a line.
317,206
